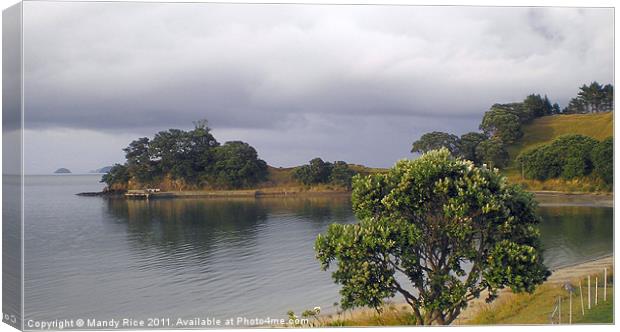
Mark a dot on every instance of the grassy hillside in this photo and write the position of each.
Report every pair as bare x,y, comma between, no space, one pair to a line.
544,130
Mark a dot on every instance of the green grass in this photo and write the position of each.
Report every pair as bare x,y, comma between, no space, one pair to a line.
602,313
542,131
536,308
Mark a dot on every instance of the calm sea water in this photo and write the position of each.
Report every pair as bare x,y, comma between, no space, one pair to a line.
112,258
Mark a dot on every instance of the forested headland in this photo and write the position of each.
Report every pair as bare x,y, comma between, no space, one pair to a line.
194,160
534,141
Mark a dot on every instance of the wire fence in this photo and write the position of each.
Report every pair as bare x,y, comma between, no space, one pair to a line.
591,294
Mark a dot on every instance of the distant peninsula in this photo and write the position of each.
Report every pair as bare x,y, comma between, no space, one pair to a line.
62,171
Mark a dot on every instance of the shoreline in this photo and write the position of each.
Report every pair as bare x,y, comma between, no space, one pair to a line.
559,276
595,198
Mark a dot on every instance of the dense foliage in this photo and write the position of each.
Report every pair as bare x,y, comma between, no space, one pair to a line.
118,174
190,158
468,145
341,174
318,171
436,140
538,106
237,165
592,98
492,152
568,157
438,231
502,125
603,160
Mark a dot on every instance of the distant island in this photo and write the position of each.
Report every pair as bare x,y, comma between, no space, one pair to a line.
62,171
102,170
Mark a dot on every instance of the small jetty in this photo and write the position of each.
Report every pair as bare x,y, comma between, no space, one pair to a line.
141,193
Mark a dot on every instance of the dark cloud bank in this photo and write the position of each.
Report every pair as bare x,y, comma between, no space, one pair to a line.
358,83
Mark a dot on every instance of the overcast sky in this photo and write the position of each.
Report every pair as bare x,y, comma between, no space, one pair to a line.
353,83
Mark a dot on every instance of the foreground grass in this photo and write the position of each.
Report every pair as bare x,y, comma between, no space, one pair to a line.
537,308
392,315
509,308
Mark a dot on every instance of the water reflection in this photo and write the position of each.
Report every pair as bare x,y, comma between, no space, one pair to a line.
575,233
172,222
106,258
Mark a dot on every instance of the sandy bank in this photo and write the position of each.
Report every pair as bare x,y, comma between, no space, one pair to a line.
248,193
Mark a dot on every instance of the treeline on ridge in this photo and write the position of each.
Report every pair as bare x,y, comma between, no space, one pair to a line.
503,124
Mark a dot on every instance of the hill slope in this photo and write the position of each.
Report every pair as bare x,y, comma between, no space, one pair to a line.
544,130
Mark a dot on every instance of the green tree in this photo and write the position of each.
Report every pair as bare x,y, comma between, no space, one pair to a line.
139,163
607,103
447,228
541,163
237,165
492,153
201,144
341,174
118,174
468,144
316,171
171,150
603,160
575,106
524,114
592,98
436,140
501,124
537,105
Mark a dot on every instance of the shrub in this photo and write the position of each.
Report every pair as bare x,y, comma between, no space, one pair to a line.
316,171
237,165
603,160
492,153
341,174
568,157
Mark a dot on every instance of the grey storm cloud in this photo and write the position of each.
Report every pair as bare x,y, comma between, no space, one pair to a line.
115,65
279,74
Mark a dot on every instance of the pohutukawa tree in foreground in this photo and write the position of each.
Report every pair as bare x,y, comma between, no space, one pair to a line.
439,231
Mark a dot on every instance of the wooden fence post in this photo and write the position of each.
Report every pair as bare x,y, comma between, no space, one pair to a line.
589,296
605,287
570,307
596,290
583,312
559,310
